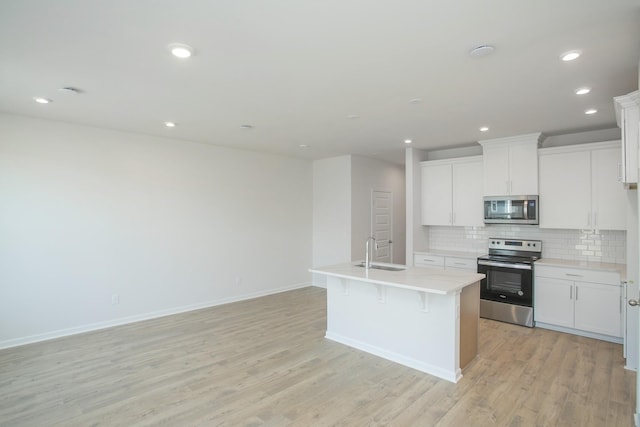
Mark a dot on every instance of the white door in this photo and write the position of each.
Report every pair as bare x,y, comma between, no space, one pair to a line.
381,224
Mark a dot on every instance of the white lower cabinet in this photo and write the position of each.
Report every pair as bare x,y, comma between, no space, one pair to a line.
581,300
425,260
458,263
445,262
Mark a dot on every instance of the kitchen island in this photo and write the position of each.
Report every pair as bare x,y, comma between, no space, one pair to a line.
420,317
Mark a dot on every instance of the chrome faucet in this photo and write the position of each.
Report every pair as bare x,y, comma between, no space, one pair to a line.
367,259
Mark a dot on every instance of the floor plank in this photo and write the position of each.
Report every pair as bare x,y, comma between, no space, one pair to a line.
265,362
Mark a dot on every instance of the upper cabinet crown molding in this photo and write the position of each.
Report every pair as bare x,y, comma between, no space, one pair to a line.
625,101
527,138
628,118
510,165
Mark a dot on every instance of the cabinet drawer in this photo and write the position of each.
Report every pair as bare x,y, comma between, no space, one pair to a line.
470,264
421,260
578,275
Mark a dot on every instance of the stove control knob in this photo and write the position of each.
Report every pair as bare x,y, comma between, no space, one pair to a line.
520,293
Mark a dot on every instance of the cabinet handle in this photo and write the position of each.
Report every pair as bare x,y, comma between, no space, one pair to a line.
573,275
571,292
589,219
577,293
595,219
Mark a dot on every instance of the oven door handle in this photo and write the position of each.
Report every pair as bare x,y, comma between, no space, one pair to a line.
505,265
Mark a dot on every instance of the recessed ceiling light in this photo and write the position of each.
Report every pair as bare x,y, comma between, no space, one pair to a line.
303,146
41,100
353,116
482,50
246,127
180,50
170,124
415,101
583,91
407,141
570,56
591,111
484,129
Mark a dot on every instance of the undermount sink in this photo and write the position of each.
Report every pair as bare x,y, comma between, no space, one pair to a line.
382,267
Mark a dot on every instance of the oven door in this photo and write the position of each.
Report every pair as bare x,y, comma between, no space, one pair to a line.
504,282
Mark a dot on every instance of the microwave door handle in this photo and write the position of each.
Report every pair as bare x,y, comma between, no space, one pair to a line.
525,209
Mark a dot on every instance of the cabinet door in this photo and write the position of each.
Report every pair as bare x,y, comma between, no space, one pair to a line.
565,190
461,264
434,261
436,194
598,308
467,193
553,301
609,198
496,171
523,169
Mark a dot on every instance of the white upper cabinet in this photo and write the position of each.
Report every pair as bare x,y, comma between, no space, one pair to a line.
437,194
452,192
579,187
628,118
510,165
565,189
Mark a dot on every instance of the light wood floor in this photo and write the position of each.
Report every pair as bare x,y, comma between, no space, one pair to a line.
265,362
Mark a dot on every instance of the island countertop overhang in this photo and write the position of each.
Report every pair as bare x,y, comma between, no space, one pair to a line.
422,279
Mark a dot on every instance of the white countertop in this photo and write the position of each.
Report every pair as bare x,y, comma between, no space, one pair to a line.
459,254
585,265
431,280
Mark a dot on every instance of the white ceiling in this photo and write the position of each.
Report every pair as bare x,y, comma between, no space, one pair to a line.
296,69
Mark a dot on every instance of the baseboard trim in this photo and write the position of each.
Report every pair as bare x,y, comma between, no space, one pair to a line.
615,340
16,342
427,368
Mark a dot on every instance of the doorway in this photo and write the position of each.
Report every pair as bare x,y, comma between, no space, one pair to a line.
382,224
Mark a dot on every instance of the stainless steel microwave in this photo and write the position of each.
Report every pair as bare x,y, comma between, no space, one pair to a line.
511,210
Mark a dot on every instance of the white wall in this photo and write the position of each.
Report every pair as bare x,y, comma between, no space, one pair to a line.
167,225
331,213
417,235
372,174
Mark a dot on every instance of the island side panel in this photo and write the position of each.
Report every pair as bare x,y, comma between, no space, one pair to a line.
469,318
396,324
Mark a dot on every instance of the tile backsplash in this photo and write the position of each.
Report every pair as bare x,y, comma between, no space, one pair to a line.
580,245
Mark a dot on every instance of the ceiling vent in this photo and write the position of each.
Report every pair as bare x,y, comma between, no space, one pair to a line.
482,50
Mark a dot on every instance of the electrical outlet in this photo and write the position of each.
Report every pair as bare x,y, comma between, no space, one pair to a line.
115,299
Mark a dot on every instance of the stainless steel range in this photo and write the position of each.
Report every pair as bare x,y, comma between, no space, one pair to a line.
506,294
